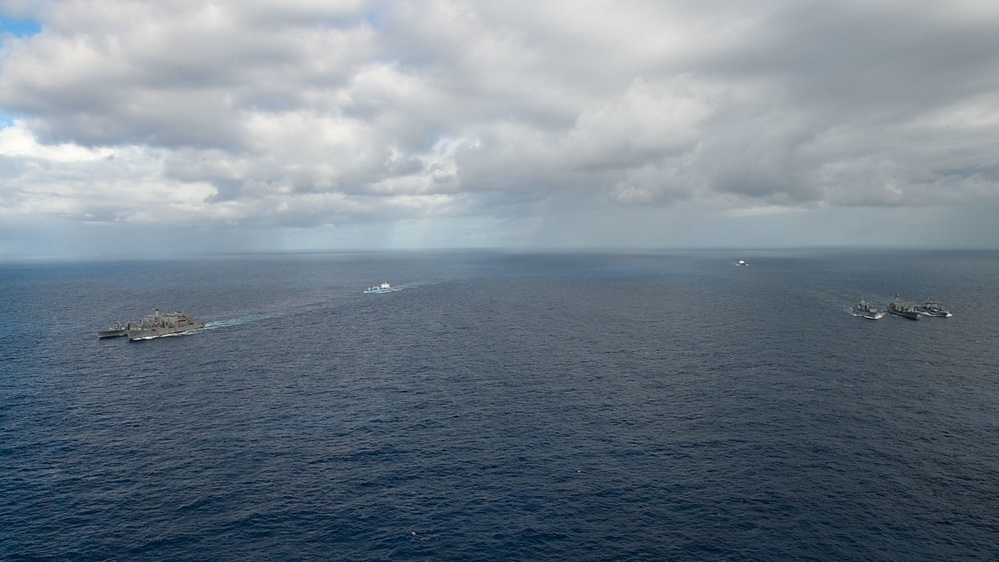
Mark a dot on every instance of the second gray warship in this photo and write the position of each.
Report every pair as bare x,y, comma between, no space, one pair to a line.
116,331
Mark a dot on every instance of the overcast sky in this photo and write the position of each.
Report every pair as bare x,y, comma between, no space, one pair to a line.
129,126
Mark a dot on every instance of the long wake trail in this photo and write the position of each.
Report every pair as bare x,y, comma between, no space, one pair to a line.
259,316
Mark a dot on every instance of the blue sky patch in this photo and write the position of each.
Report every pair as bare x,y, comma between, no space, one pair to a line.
19,28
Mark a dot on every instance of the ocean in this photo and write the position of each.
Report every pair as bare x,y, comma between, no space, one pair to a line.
502,406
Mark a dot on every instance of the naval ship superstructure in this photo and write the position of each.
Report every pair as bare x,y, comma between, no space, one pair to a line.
155,325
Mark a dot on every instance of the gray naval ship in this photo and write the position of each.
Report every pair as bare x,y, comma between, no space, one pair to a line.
155,325
116,331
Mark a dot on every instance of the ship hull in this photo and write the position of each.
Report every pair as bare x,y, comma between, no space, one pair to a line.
869,315
153,333
934,313
157,325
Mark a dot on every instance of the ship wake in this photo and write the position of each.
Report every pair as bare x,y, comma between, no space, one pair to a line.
260,316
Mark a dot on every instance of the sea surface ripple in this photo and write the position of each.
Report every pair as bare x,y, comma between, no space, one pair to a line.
648,406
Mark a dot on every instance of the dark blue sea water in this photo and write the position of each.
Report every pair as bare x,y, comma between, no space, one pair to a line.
656,406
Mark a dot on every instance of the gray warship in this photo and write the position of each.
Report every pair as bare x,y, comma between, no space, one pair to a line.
155,325
867,310
933,308
116,331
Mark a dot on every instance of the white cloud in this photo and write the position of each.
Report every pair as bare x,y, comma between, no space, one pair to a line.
17,141
267,115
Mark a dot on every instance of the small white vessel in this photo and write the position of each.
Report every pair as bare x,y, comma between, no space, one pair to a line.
374,289
742,263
